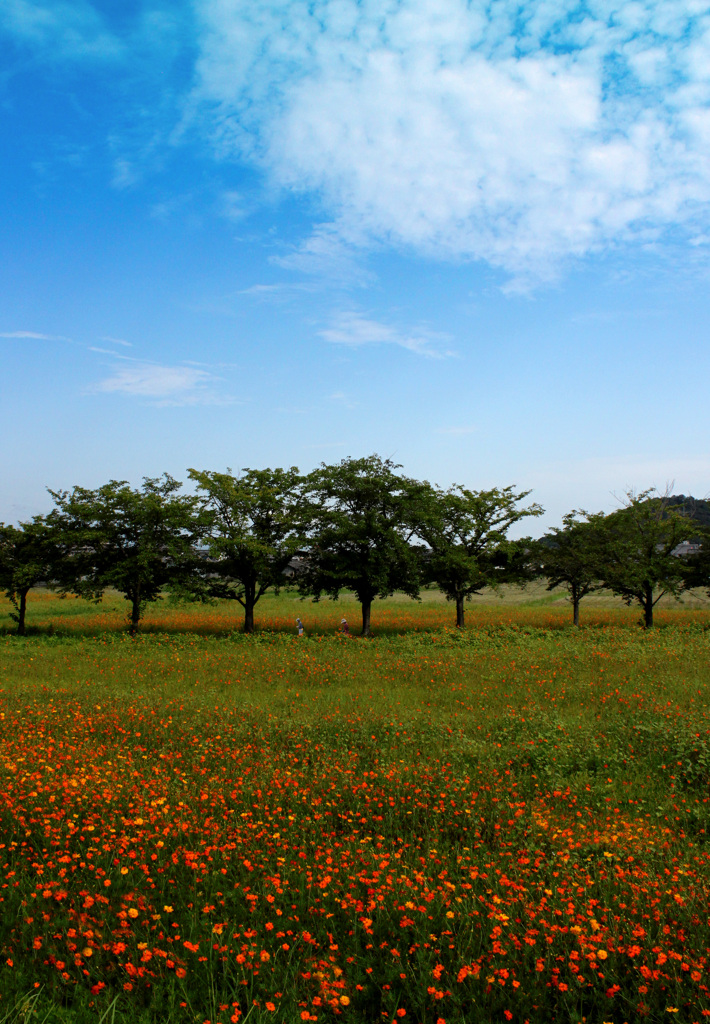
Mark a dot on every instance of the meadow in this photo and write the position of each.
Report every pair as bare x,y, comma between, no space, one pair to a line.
508,823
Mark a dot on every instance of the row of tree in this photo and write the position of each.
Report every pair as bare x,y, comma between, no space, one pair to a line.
357,526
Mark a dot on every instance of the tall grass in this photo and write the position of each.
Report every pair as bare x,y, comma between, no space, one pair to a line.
49,613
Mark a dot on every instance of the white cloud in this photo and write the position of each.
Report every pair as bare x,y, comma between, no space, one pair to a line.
164,385
521,135
274,292
327,253
350,328
125,173
71,29
32,336
117,341
231,205
342,399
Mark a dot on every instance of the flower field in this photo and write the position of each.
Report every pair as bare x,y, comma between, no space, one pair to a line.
505,825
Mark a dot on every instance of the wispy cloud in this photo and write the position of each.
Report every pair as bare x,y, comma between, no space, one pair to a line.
61,29
32,336
343,400
117,341
232,206
353,329
522,136
162,385
125,173
327,253
277,293
456,431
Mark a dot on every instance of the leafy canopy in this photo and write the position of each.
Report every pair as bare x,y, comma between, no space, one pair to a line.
27,557
639,544
466,532
255,528
362,515
136,541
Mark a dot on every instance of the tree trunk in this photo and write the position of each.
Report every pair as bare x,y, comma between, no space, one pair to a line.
21,611
460,613
249,602
135,613
249,616
648,607
575,606
366,608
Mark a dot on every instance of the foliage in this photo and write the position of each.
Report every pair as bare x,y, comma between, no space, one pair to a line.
697,560
638,548
136,541
697,509
255,530
572,557
362,515
466,532
27,557
355,527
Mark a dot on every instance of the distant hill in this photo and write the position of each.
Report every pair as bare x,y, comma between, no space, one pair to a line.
697,508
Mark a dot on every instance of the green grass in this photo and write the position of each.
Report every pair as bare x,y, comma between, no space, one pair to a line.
502,801
52,614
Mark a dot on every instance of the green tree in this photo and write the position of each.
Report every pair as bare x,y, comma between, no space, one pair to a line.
697,559
27,557
361,512
255,530
572,556
466,532
136,541
638,550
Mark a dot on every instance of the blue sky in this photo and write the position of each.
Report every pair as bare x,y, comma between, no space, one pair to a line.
471,237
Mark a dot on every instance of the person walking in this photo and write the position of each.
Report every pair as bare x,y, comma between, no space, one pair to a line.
299,627
344,628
